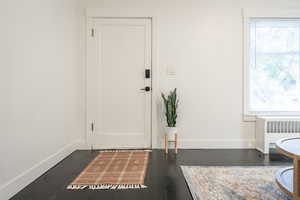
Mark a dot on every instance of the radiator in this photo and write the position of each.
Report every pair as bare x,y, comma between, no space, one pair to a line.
270,129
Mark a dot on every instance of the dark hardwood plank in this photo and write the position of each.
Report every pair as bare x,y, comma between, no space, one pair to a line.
164,178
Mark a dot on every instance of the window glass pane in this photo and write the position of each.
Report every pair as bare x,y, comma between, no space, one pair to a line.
277,37
274,66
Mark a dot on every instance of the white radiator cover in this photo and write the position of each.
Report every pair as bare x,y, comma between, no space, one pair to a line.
269,129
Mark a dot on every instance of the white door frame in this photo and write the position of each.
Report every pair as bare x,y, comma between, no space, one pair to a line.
154,143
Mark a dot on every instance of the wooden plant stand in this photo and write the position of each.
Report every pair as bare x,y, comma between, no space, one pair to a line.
167,143
288,179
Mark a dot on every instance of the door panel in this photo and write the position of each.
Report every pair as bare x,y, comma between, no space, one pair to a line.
118,54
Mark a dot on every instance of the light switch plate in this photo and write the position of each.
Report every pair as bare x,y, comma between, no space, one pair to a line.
171,71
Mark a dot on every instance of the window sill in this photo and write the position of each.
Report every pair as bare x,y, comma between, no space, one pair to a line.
252,117
249,118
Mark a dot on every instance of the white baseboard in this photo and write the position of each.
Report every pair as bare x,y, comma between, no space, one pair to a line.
13,186
84,146
216,144
201,144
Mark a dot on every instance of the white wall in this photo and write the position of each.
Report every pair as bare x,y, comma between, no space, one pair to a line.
42,91
42,77
203,41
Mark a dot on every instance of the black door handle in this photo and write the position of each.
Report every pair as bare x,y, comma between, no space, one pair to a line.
147,89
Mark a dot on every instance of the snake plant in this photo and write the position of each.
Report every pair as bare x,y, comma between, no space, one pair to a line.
171,104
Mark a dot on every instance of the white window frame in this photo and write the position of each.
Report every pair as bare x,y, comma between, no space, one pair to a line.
247,17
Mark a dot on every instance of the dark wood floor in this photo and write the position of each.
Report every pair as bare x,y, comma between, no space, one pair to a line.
164,178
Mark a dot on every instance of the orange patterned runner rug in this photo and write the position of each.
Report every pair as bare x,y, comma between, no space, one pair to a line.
114,170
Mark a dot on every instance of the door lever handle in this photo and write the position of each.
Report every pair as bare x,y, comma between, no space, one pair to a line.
147,89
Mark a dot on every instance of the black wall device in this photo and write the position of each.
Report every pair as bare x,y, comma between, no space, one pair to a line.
147,73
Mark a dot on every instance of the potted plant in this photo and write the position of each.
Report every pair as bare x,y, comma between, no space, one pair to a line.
171,104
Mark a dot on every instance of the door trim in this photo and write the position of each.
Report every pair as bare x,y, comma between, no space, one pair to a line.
154,141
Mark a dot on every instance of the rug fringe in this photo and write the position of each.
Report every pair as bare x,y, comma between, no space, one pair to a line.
107,187
125,150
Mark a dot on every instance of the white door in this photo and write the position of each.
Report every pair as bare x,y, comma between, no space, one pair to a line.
118,103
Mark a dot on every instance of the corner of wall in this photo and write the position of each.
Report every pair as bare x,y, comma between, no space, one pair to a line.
13,186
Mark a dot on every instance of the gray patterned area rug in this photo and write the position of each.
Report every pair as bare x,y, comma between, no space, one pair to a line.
233,183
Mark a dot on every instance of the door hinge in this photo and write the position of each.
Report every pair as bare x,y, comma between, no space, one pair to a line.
92,127
92,32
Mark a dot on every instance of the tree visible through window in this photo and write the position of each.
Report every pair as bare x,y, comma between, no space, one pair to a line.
274,65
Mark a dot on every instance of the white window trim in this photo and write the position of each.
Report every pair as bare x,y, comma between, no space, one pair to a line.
247,16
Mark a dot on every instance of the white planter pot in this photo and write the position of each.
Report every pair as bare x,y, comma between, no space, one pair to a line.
171,131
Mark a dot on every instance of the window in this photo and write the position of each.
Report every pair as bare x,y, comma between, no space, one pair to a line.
273,73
